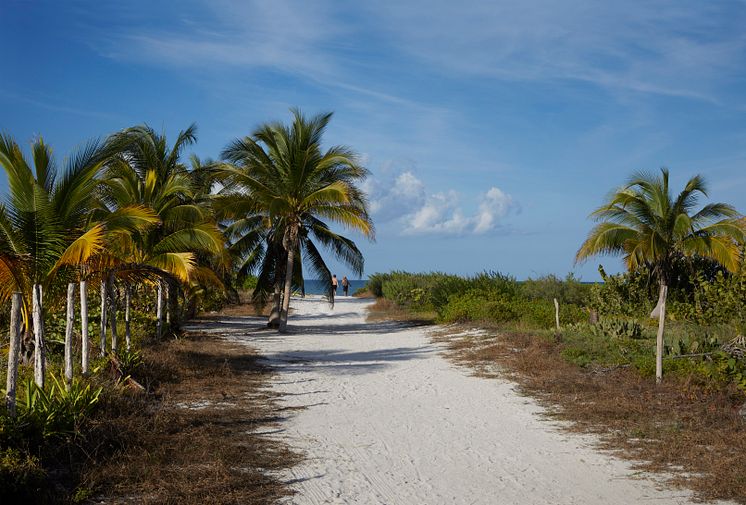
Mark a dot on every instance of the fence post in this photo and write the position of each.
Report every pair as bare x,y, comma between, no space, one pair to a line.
556,313
69,333
13,353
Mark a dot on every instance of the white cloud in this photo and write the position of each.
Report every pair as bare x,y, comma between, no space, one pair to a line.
404,201
395,197
495,205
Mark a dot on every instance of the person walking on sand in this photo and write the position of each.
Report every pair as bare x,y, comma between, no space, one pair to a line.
345,285
334,286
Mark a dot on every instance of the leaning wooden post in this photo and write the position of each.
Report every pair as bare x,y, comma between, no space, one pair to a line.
127,301
659,340
69,333
14,353
84,342
556,313
40,355
103,317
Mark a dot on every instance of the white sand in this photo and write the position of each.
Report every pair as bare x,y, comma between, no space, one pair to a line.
388,420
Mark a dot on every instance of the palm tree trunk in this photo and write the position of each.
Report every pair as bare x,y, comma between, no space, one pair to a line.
293,235
159,310
69,333
103,317
84,342
113,316
14,352
40,355
274,316
127,330
659,341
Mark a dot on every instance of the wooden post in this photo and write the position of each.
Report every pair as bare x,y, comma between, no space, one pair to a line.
103,317
40,355
14,353
69,333
556,313
159,310
84,342
127,331
659,341
113,316
167,301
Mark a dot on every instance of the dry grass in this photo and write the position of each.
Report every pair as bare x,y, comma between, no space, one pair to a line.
194,440
385,310
693,436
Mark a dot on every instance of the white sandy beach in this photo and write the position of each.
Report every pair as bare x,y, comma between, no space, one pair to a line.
388,420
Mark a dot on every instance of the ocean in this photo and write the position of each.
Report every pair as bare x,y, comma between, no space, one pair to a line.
316,287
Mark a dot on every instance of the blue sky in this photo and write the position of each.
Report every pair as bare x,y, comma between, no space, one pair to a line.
491,129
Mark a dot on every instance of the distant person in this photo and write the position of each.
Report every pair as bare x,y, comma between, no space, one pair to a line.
345,285
335,285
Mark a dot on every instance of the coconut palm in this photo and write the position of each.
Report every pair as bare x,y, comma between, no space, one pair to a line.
151,174
283,174
46,224
647,226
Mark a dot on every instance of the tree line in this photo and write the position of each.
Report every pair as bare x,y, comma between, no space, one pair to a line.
128,214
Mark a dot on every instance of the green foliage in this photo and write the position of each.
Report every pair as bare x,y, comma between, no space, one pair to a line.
488,296
130,362
586,344
631,294
549,287
718,301
21,477
472,306
619,328
56,410
249,283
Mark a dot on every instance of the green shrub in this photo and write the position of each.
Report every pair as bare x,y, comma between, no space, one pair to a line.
567,290
474,306
56,410
130,362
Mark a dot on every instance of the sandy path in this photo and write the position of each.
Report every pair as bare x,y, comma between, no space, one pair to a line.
387,420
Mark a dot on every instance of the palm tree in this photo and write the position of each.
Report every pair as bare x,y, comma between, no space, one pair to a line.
284,175
645,224
151,174
46,225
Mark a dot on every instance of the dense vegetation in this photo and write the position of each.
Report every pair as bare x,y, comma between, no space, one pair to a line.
605,324
160,239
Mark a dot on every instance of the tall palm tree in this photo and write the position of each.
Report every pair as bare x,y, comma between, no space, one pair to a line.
284,174
647,226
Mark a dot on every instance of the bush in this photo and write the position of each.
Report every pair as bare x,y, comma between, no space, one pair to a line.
56,410
549,287
473,306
